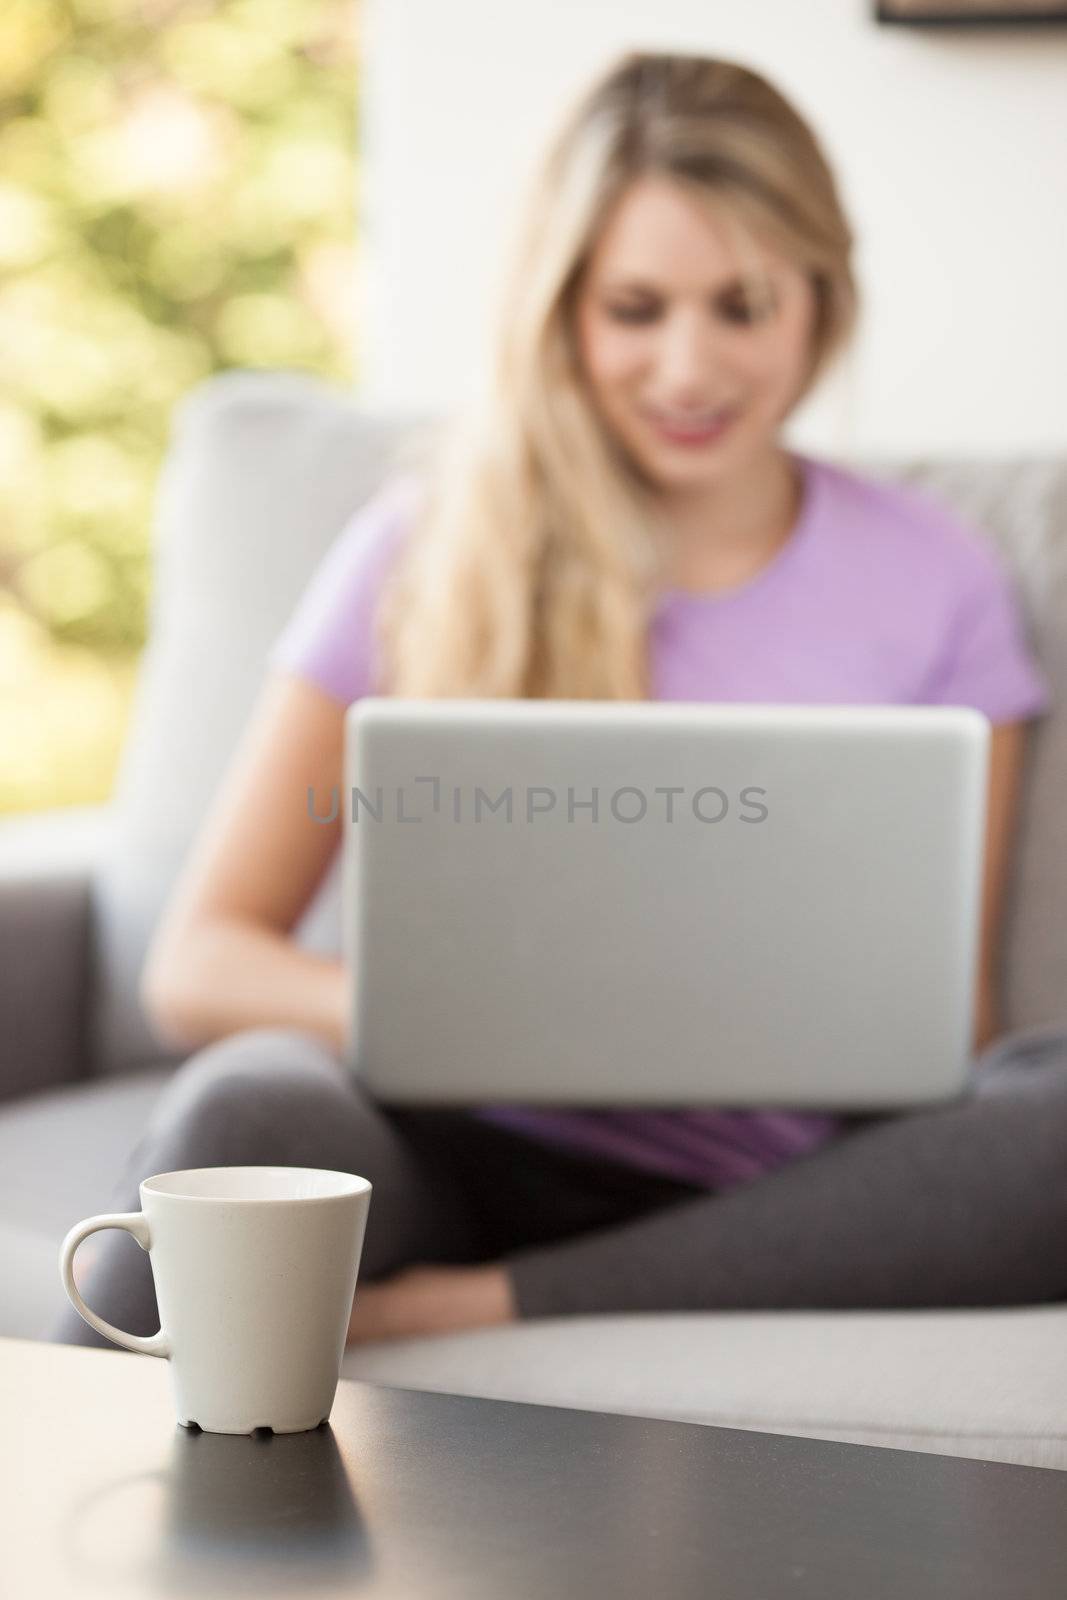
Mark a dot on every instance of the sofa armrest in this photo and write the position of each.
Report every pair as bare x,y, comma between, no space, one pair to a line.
47,863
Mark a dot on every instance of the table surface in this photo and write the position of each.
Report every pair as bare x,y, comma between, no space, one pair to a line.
421,1496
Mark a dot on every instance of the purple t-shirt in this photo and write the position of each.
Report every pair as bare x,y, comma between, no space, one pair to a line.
879,596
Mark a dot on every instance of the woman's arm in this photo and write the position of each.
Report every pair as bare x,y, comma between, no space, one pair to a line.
222,958
1007,749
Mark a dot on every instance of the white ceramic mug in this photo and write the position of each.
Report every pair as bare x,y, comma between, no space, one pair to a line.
255,1270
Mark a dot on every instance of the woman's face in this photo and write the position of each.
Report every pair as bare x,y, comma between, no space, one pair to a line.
692,380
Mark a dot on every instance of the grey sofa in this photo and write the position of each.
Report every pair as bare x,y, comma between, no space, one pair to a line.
262,473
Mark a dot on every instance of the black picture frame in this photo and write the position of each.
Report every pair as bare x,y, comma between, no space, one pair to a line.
969,14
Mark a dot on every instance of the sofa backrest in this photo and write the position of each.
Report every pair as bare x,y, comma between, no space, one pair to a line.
263,471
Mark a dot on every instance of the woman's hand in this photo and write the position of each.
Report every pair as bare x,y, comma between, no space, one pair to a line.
424,1300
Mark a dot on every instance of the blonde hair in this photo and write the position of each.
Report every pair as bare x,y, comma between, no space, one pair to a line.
532,562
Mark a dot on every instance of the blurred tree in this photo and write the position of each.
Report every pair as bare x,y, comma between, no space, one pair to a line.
177,195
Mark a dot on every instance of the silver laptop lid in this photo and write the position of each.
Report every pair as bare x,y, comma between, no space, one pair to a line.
648,903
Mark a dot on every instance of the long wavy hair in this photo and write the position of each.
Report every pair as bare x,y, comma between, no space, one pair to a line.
531,564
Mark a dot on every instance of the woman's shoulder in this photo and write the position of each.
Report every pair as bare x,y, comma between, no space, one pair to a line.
356,562
905,523
329,637
938,584
385,513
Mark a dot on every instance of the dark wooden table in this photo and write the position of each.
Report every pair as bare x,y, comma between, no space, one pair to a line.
418,1496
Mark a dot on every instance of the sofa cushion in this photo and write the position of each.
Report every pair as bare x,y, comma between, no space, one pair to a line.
988,1384
64,1148
61,1153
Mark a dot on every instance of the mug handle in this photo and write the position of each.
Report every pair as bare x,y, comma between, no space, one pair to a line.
156,1344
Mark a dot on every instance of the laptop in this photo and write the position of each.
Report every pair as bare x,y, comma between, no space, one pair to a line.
662,904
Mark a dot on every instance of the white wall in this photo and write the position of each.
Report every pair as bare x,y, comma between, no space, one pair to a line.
950,147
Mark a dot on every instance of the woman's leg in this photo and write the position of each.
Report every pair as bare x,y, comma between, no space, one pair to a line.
963,1205
272,1097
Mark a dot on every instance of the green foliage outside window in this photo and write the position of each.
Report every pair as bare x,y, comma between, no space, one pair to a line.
177,196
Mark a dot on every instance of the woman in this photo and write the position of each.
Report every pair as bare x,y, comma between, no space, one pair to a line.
617,518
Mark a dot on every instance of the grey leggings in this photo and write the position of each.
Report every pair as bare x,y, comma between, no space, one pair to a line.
962,1205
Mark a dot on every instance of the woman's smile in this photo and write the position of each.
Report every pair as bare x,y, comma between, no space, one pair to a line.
689,429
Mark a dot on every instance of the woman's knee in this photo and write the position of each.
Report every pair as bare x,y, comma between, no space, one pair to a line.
1024,1104
234,1100
1012,1059
1032,1065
